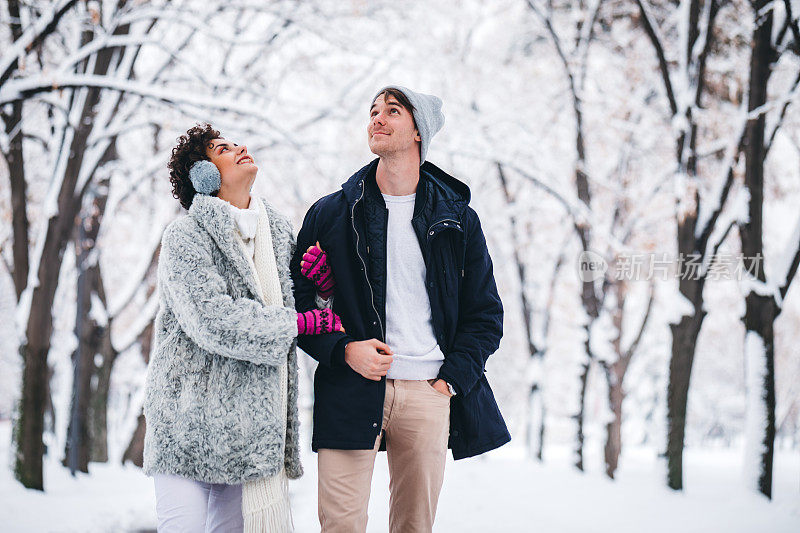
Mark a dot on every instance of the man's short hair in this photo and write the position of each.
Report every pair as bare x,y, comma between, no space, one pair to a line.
401,99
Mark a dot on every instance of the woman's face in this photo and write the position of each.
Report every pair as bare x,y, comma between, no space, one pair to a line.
237,168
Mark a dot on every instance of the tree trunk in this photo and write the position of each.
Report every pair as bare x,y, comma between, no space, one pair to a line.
19,202
613,445
29,425
30,410
760,384
589,299
687,328
16,173
40,327
615,374
579,416
535,416
76,453
135,450
690,287
535,423
684,342
87,330
99,406
91,334
760,311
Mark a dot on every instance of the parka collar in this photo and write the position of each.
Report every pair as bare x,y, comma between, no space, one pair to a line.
443,195
214,215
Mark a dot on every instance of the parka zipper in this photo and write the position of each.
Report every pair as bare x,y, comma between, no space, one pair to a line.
363,264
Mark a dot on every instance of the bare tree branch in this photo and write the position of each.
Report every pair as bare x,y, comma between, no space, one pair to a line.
662,60
791,22
709,41
556,41
793,265
22,89
587,38
31,38
635,344
779,122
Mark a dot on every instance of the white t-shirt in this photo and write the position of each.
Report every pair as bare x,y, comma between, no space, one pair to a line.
409,329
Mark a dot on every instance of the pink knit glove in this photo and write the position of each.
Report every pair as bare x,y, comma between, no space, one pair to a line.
314,266
318,321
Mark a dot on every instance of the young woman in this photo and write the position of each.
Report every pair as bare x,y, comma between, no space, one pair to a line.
221,390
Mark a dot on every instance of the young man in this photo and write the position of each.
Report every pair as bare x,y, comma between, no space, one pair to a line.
413,284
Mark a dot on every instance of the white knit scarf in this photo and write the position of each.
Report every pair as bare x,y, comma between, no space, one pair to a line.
265,501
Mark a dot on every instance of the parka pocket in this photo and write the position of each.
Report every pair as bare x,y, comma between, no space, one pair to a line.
448,268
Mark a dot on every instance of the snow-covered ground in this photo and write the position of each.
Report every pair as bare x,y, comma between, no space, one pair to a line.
499,492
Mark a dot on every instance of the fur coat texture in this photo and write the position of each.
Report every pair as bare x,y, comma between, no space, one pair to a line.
212,396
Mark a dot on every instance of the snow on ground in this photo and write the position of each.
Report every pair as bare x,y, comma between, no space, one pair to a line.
502,491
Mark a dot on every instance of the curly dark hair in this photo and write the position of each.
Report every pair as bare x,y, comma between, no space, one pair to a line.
191,148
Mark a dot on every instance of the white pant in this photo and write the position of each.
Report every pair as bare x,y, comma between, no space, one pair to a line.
188,506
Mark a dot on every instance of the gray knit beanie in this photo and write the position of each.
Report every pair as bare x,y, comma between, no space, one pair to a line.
427,114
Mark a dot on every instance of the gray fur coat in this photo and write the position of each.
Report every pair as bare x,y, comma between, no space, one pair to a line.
212,402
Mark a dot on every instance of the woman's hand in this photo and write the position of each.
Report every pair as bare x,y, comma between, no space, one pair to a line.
318,321
315,267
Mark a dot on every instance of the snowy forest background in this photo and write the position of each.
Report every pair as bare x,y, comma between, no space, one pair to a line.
611,129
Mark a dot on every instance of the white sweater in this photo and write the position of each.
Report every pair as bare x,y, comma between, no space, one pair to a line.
409,328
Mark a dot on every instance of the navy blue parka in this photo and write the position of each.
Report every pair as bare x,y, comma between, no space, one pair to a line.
350,225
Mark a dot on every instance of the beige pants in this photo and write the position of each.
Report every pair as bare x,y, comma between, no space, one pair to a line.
416,426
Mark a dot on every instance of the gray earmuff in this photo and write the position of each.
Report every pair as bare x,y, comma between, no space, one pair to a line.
205,177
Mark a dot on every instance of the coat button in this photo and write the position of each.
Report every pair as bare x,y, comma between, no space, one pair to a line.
374,323
374,424
430,233
445,223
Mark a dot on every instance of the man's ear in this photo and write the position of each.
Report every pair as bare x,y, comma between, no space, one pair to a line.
416,136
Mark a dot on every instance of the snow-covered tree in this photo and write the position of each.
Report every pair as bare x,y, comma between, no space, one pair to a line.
764,294
689,33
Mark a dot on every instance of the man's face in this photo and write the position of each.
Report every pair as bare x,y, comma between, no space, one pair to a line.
391,127
236,167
